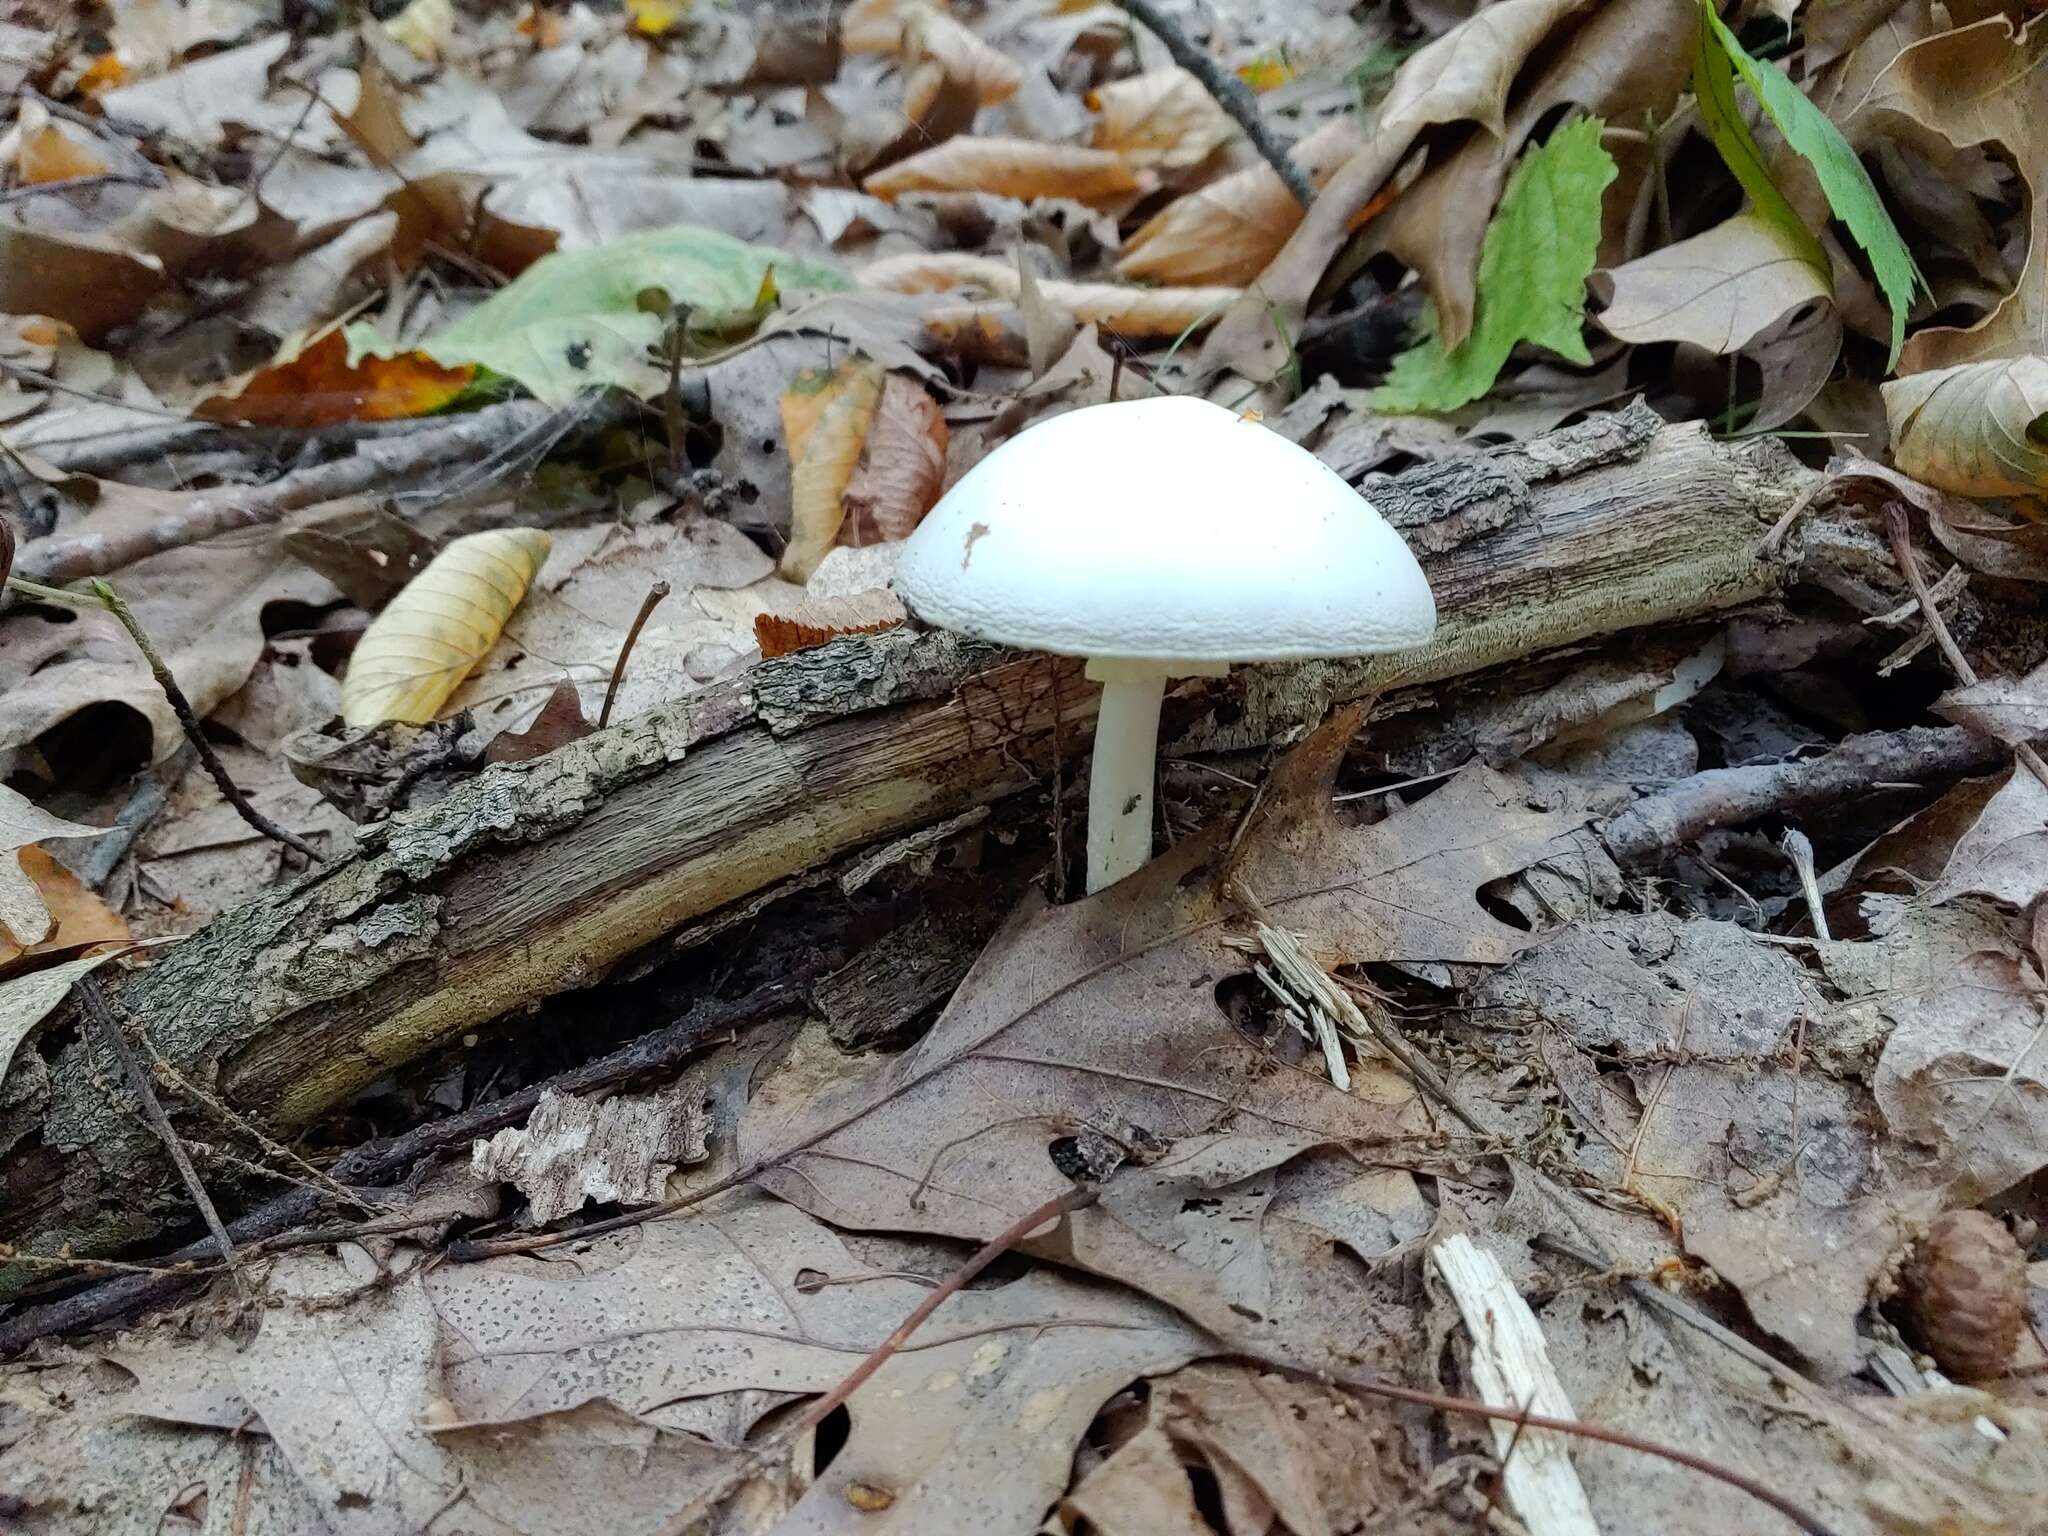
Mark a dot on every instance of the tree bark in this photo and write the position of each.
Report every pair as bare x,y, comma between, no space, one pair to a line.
535,877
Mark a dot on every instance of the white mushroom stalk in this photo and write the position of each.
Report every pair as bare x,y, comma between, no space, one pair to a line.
1160,539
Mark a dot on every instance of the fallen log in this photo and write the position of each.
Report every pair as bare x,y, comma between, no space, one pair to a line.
536,877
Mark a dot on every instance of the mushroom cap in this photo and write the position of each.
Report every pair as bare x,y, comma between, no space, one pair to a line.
1165,530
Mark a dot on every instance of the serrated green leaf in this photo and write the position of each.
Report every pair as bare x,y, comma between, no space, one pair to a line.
1850,192
1539,248
576,319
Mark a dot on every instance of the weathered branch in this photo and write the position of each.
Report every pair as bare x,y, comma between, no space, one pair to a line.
485,445
535,877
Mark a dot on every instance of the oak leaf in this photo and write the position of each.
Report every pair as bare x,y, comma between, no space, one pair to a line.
1019,168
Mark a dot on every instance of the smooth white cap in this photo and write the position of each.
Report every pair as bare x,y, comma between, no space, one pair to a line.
1165,530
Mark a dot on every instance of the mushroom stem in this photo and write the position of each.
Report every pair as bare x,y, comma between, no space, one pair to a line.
1120,782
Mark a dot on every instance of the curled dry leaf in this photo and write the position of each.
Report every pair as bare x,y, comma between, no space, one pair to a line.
875,26
1227,231
46,149
1132,311
24,916
825,421
902,466
418,650
2011,709
313,383
1976,429
75,919
930,36
1717,290
1014,168
1165,118
818,620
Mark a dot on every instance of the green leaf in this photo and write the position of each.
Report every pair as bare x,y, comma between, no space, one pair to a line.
1850,192
1539,248
576,319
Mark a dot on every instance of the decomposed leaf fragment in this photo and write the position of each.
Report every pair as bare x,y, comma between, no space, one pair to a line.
420,648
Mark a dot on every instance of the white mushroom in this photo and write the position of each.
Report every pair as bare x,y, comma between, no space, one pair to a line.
1159,538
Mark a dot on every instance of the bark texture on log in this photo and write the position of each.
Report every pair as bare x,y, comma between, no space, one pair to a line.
535,877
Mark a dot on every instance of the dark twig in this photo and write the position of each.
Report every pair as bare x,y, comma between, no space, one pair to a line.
1902,551
111,1034
1054,1209
1231,93
380,1161
478,447
648,604
1727,797
181,706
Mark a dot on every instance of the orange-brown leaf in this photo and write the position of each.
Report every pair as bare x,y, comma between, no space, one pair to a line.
54,151
1132,311
316,385
931,36
78,918
820,619
1165,118
1014,168
825,438
902,467
1227,231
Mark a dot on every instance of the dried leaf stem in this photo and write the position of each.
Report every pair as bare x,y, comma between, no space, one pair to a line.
181,706
1902,550
648,604
1231,93
101,1015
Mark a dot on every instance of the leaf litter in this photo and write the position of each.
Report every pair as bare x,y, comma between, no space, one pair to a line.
1699,1113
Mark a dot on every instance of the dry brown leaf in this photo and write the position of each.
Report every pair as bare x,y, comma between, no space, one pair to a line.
1133,311
90,282
1717,290
1229,230
2012,709
1165,119
1963,1072
1977,85
49,149
1977,429
876,26
819,619
151,35
825,420
902,466
930,36
311,383
559,722
78,918
1014,168
1082,1020
1467,73
1629,59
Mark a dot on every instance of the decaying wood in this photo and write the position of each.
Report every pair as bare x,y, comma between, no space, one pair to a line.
535,877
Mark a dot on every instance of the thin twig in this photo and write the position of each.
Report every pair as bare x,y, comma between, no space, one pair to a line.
1231,93
648,604
109,1029
79,184
378,1161
1058,1207
181,706
1902,550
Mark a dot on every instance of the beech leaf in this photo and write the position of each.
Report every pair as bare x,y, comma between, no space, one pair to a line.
1538,252
1716,290
1018,168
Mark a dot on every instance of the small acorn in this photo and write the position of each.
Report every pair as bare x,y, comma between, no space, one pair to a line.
1964,1294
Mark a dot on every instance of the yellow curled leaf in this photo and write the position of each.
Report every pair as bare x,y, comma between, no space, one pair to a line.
826,425
420,648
